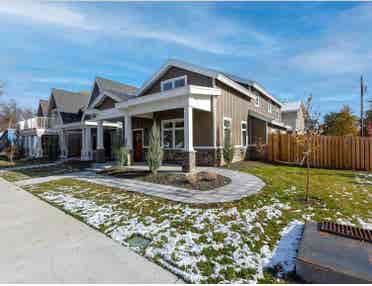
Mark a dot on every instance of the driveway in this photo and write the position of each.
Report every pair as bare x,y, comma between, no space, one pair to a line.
41,244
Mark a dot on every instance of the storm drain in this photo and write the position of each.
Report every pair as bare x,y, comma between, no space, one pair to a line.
346,231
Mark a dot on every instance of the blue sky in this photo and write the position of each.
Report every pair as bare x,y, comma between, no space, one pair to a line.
292,49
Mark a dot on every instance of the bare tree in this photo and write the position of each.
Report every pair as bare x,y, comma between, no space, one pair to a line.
307,140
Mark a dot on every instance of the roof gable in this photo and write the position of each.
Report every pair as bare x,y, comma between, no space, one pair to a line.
230,80
67,101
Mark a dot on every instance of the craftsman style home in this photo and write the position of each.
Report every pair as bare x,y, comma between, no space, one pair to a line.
195,108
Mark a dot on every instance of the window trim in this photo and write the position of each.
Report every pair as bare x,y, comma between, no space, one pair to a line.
223,129
257,101
241,133
172,80
173,129
269,107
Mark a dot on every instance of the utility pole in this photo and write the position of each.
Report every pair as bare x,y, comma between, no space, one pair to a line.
362,90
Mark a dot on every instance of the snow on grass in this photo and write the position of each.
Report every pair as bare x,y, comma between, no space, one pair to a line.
364,178
285,252
199,244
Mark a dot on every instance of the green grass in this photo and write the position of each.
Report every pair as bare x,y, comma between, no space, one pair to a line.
337,196
25,174
5,163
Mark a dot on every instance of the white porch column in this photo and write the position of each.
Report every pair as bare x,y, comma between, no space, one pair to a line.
62,144
100,135
214,122
88,143
188,121
100,152
83,145
128,132
266,132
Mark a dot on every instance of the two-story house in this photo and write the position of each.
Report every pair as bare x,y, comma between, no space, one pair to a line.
195,108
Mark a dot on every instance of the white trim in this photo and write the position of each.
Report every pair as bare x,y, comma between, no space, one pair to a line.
173,80
173,129
189,67
269,107
241,133
101,97
257,100
176,92
267,94
234,85
223,129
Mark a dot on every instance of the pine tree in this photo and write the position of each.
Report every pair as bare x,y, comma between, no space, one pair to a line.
228,149
155,152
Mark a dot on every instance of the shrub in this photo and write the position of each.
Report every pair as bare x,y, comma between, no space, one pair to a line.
228,149
122,156
155,152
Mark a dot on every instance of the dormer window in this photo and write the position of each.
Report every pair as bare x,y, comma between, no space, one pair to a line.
173,83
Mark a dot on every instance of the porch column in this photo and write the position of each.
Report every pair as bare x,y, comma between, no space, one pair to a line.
88,144
266,132
100,152
83,140
128,141
62,144
189,156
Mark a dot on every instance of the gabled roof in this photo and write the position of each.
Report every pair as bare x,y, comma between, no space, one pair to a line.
291,106
69,102
228,79
122,90
42,109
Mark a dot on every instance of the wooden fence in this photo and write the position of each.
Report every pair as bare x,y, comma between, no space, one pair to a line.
334,152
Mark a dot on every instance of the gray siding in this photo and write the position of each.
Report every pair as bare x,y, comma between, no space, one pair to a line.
192,78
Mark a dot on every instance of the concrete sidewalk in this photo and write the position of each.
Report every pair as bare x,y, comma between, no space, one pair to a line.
41,244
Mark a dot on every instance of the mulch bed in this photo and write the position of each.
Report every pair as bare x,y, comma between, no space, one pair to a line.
202,181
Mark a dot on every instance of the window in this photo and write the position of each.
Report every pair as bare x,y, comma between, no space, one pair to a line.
173,83
270,107
257,100
244,133
226,129
173,136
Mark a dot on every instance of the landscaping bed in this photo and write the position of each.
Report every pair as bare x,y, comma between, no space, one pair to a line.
251,240
5,163
202,181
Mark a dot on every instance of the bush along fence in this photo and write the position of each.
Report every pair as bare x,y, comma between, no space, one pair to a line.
334,152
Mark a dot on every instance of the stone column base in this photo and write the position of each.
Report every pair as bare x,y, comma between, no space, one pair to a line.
100,155
130,157
189,161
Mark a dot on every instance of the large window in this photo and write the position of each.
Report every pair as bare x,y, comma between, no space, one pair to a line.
173,83
226,129
173,136
244,133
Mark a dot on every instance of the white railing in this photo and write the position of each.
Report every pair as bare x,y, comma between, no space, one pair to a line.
34,123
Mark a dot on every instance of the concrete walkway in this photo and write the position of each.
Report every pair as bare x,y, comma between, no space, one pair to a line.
242,185
41,244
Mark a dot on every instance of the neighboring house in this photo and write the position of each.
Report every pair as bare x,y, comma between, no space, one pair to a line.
293,116
54,128
102,122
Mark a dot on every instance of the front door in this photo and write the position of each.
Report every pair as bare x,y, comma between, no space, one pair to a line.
137,145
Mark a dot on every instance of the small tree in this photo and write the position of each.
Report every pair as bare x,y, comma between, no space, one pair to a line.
307,140
122,156
228,149
341,123
155,152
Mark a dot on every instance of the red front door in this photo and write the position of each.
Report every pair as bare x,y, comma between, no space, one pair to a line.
137,145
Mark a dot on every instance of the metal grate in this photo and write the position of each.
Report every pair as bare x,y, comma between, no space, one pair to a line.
346,230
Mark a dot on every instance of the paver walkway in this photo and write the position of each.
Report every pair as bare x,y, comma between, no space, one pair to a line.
242,185
41,244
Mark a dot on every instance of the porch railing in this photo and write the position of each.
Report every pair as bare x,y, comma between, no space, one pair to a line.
34,123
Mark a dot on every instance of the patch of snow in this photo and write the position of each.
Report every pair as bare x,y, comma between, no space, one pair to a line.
285,251
364,224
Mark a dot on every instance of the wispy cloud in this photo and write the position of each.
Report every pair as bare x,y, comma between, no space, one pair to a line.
343,47
61,80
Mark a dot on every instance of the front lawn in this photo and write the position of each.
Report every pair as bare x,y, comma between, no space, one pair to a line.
231,242
60,169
